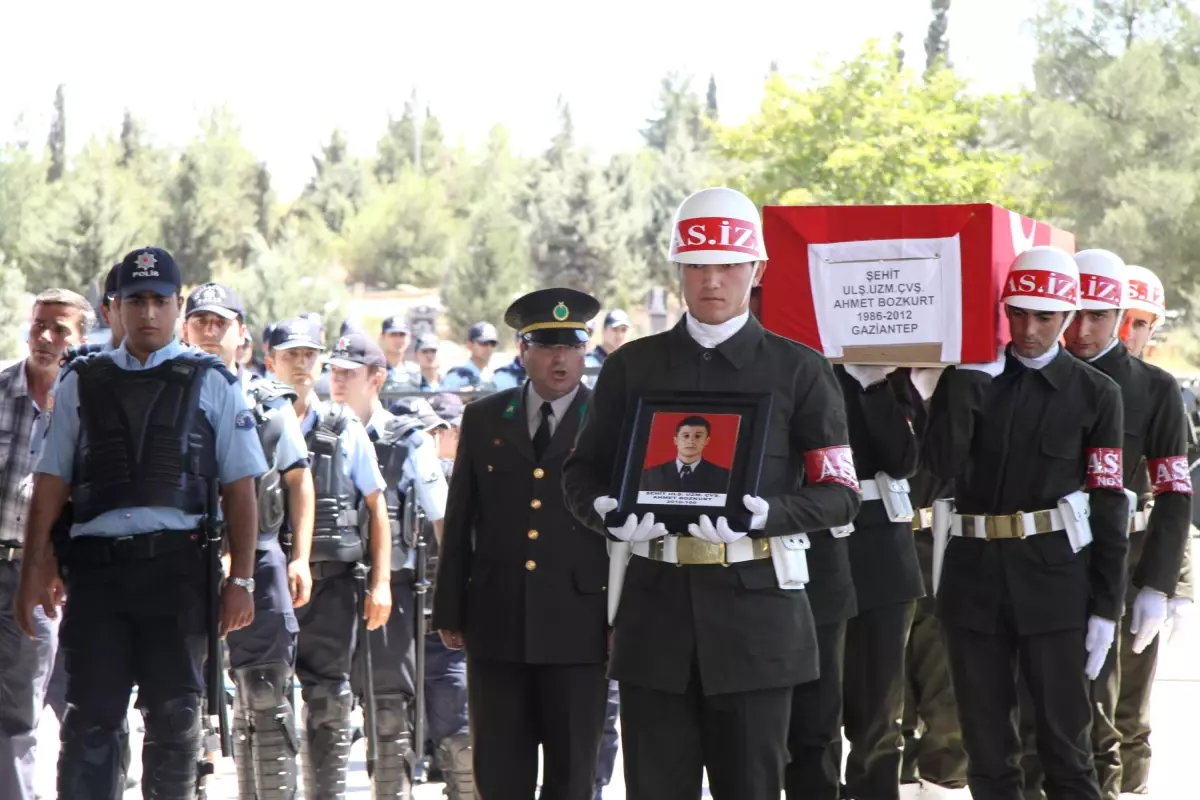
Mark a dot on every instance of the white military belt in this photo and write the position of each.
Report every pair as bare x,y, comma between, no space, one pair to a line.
1007,526
687,550
869,488
1139,520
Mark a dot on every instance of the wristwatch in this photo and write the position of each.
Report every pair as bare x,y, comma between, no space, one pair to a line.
245,583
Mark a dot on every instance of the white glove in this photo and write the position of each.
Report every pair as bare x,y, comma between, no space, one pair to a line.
634,530
926,380
993,368
1100,635
759,509
717,534
1179,609
1149,616
868,376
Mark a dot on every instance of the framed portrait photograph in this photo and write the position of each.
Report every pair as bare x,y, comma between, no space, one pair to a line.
690,453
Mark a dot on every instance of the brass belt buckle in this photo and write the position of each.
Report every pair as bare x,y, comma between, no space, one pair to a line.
1008,526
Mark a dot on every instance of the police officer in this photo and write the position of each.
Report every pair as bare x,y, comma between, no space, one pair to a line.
348,487
446,669
1146,309
394,337
710,637
518,582
111,319
1026,584
427,362
262,655
406,457
512,374
887,578
475,373
935,764
135,437
616,330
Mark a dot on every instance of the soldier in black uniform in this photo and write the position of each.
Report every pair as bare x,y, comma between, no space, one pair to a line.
1025,585
519,582
935,764
262,655
707,650
136,437
887,578
348,486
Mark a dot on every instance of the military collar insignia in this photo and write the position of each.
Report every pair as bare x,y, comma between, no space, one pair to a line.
561,312
511,410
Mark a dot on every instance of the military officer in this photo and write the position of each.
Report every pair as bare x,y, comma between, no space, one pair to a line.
406,457
349,499
710,637
935,764
520,584
262,655
1026,584
482,339
136,584
887,578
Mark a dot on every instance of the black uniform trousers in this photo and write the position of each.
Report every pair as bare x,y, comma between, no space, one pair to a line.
393,647
814,771
515,708
738,737
125,623
933,746
873,692
1132,713
271,637
984,668
328,627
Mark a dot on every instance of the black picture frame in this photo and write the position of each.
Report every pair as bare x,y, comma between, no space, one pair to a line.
745,469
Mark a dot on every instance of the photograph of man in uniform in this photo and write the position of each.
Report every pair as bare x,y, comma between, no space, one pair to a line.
688,471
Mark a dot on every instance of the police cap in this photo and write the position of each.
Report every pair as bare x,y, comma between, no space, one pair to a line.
148,269
617,318
291,333
552,316
483,333
110,283
356,350
395,324
215,298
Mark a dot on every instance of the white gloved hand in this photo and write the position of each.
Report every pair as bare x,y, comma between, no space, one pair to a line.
716,534
868,376
634,530
1179,610
992,368
1148,617
1100,635
603,505
758,509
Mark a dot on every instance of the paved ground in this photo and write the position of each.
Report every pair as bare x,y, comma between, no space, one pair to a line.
1176,714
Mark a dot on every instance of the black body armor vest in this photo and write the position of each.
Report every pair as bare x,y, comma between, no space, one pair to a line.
271,402
391,451
336,536
144,440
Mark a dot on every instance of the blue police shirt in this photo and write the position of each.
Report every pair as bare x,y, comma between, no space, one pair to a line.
509,376
404,372
358,454
422,469
239,454
462,376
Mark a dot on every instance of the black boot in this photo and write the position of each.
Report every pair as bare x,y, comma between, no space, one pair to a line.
272,729
454,760
390,777
93,760
327,732
172,747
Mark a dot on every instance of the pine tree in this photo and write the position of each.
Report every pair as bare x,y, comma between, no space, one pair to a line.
937,45
131,139
262,199
57,140
710,104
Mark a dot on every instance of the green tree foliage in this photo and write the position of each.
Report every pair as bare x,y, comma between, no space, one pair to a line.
399,150
13,311
23,201
1115,114
871,132
339,187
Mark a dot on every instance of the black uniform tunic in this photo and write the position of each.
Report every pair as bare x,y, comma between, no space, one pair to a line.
1019,443
707,655
887,579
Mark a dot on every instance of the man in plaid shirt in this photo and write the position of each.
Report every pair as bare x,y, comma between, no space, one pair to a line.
60,319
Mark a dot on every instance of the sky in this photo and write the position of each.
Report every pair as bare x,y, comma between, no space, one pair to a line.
292,71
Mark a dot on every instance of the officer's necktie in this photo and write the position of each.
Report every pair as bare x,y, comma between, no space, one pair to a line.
684,474
541,439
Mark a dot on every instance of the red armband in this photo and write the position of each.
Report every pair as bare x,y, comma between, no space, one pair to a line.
1170,474
1104,468
831,465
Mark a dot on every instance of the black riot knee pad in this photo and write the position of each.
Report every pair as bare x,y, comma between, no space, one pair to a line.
176,720
93,759
263,688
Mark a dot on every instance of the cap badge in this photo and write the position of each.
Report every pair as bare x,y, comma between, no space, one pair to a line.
145,266
561,312
343,343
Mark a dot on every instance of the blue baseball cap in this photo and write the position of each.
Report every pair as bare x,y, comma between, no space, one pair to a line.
395,324
356,350
483,333
292,333
148,269
215,298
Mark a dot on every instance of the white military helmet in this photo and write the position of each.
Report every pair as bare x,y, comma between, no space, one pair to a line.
1043,279
1145,291
1102,281
717,226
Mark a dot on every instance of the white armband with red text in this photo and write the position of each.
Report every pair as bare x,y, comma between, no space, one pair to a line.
1104,469
1170,474
831,465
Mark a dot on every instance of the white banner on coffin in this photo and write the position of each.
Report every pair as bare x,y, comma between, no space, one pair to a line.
887,292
